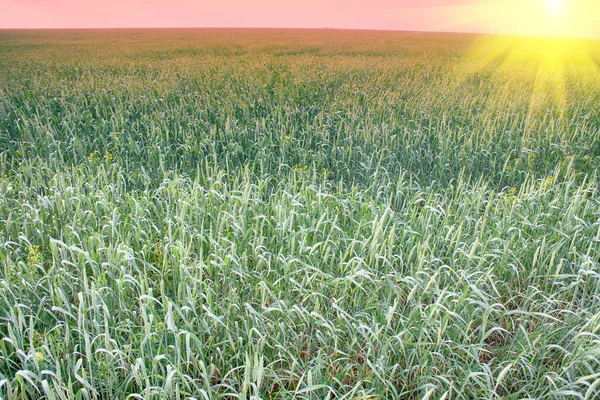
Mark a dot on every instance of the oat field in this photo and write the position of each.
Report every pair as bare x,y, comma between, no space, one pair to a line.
278,214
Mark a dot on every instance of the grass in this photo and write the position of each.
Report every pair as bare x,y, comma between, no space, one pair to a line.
298,214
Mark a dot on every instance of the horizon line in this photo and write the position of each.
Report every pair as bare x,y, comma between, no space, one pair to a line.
475,33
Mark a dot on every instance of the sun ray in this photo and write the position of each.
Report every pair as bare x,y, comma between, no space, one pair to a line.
548,102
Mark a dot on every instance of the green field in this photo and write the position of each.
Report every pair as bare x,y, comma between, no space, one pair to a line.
285,214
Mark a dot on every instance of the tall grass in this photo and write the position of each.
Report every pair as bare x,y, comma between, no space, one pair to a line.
295,214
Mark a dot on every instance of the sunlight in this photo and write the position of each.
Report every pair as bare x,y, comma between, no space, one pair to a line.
556,18
555,6
549,91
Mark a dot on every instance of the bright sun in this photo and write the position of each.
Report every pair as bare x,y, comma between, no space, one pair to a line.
555,5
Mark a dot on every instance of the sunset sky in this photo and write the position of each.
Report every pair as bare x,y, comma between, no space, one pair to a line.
531,17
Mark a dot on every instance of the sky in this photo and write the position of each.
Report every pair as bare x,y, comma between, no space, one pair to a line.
524,17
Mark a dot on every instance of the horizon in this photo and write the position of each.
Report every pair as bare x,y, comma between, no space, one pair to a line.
282,28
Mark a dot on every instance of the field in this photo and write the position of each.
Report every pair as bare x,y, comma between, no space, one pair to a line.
285,214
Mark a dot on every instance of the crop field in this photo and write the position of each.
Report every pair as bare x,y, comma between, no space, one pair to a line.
276,214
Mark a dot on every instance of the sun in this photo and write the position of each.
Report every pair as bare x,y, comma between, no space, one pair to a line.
555,6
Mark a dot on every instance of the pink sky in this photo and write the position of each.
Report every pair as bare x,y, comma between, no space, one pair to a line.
575,17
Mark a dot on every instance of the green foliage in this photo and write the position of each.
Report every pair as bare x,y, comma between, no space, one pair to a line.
277,214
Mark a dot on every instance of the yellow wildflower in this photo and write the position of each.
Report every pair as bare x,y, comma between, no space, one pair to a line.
34,256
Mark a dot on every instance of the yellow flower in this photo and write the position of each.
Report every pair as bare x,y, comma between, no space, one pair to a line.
300,169
34,256
93,157
548,182
512,192
39,356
